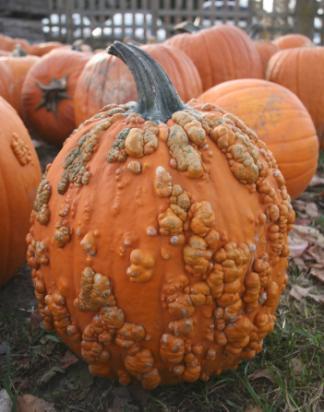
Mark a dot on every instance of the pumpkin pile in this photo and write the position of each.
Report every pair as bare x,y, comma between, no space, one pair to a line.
158,235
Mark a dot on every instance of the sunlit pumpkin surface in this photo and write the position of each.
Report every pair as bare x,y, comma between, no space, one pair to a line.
159,247
280,119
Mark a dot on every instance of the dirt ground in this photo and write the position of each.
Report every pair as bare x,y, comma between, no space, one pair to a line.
286,376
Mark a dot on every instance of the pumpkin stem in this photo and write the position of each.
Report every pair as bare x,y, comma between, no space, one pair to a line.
52,94
157,98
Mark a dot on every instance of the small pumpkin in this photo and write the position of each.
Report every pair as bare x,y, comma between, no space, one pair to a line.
106,79
19,177
47,94
265,49
293,40
13,71
280,119
220,53
300,70
159,237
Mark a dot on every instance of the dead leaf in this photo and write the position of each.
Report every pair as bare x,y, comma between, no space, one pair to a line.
68,359
299,293
317,181
318,273
48,375
312,210
5,401
30,403
262,374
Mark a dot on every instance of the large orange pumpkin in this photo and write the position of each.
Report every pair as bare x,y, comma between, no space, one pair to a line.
289,41
220,53
280,119
159,237
13,71
19,177
106,79
47,95
265,49
301,71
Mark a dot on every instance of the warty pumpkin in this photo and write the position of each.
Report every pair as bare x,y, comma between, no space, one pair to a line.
265,49
300,70
19,177
106,79
47,94
289,41
280,119
158,243
220,53
13,71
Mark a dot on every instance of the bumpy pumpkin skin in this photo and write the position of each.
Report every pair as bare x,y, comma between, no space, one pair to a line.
159,251
294,40
220,53
106,79
300,70
53,124
19,177
280,119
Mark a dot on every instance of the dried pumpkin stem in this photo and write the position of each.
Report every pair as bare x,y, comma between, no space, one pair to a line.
157,98
52,94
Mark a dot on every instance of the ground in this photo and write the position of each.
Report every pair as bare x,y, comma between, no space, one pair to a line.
286,376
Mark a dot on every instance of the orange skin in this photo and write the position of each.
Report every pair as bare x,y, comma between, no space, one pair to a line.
106,79
13,73
117,211
300,70
19,177
290,41
220,53
41,49
265,49
280,119
51,126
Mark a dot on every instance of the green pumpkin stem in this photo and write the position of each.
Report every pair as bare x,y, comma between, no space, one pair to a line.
157,98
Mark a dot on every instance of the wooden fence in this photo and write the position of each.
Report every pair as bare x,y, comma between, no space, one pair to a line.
101,21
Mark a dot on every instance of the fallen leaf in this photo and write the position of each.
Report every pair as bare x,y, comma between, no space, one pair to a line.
262,374
312,210
299,293
5,401
68,359
48,375
30,403
317,181
318,273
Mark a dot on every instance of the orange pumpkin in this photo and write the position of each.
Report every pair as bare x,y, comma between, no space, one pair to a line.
159,237
300,70
106,79
289,41
8,43
265,49
40,49
47,95
280,119
220,53
13,71
19,177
